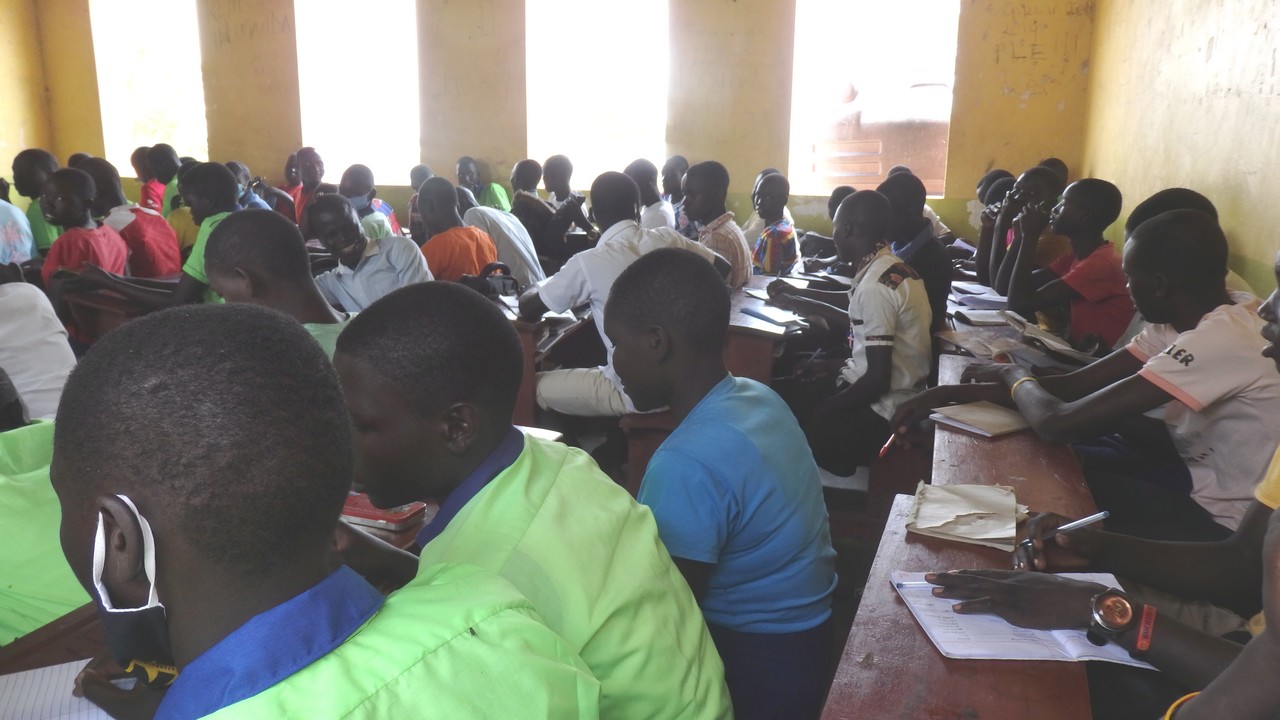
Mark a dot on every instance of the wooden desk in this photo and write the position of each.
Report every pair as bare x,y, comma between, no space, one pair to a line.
752,343
889,667
98,313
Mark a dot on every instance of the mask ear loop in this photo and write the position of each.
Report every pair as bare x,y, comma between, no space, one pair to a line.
148,560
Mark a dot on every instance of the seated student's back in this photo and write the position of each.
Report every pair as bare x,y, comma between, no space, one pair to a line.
229,461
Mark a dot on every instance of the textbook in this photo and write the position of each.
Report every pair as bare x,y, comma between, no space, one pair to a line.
981,418
974,316
987,637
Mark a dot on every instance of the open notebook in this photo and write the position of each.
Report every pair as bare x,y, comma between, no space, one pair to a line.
45,694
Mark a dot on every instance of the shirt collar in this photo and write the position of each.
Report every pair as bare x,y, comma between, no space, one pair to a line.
371,248
906,250
867,263
717,223
616,229
491,467
272,646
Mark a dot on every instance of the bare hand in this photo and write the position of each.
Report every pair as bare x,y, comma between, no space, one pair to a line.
779,288
1025,599
94,684
981,373
1032,221
811,265
1071,551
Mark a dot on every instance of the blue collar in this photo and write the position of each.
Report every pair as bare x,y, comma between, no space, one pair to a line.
907,250
500,459
272,646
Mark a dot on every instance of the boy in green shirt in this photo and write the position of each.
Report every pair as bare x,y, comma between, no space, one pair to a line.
209,551
31,168
430,375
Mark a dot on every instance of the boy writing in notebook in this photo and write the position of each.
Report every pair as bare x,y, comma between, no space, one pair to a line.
430,375
1089,280
734,489
31,168
210,552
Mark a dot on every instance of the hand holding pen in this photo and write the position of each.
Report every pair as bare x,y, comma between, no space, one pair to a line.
1056,543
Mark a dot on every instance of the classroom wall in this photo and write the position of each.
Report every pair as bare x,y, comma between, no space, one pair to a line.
1185,93
24,113
66,44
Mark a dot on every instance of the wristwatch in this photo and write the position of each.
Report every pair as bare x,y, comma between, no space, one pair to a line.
1112,615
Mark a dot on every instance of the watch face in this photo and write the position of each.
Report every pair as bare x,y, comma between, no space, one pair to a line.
1114,611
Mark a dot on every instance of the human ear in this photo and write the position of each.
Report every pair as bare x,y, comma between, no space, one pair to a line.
461,423
123,572
658,343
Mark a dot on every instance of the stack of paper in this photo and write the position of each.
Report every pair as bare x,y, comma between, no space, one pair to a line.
977,514
987,637
981,418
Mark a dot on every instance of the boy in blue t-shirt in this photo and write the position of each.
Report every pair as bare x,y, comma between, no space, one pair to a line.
734,489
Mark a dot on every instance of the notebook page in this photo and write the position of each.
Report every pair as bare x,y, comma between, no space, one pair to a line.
45,694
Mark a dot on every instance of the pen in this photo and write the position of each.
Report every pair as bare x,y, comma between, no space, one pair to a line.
887,444
913,584
1082,522
1024,555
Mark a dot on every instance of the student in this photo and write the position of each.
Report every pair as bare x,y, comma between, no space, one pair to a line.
705,187
673,171
418,175
487,194
1200,357
529,208
820,247
452,249
291,177
310,172
358,188
258,257
35,353
164,163
655,212
1089,281
986,181
430,375
184,225
1057,166
209,190
1180,199
734,491
756,224
557,172
775,245
1036,186
238,521
17,243
515,248
31,168
368,268
248,199
846,417
913,241
67,201
586,278
150,190
153,246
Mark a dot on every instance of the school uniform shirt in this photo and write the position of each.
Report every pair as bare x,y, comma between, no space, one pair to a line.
153,245
1102,305
38,585
736,486
34,352
251,201
375,225
327,333
101,246
1226,398
388,264
17,243
43,232
588,276
776,249
194,266
658,215
170,192
512,241
151,195
889,307
725,238
545,518
495,196
455,642
459,251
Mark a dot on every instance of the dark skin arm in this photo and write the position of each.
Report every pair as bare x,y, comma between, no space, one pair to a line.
982,258
532,307
1004,220
873,383
1031,289
697,574
279,200
1060,421
1048,602
187,292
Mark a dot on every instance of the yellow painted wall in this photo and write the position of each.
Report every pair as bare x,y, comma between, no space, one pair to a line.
1187,93
66,44
24,112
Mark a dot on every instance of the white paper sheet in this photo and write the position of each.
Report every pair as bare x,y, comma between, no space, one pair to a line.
45,694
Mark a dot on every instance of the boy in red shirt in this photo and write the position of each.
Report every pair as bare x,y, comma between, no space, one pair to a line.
153,245
66,199
1089,280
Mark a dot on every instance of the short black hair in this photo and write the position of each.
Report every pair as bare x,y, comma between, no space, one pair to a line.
642,171
37,159
1055,165
714,173
998,189
1186,246
898,170
439,343
212,181
837,196
992,176
228,419
76,158
438,190
76,182
879,219
1102,199
905,192
675,289
261,239
679,161
528,170
418,174
558,163
614,197
1050,177
239,170
1166,200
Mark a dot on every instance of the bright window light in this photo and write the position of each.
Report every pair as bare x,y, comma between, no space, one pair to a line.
149,92
596,83
358,85
872,89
